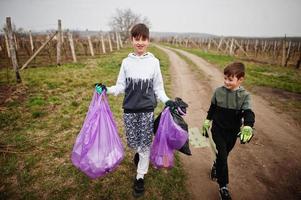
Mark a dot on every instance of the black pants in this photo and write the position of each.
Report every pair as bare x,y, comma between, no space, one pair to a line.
224,141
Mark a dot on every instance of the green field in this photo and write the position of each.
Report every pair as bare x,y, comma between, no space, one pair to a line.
40,120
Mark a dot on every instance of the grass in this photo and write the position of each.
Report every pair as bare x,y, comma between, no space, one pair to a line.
40,120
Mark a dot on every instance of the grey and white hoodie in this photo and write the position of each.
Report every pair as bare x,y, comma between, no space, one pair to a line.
141,80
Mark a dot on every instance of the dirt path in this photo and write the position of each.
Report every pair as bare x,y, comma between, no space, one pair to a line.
267,168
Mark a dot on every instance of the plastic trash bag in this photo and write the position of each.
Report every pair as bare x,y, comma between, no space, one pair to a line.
177,117
98,148
169,137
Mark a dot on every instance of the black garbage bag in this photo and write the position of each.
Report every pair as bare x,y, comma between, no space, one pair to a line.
177,112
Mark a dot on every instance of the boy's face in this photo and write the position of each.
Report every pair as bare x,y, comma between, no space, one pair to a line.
140,45
232,82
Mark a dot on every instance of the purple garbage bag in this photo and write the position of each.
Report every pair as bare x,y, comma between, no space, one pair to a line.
169,136
98,148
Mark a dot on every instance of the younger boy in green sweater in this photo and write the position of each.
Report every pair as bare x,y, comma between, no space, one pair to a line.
231,115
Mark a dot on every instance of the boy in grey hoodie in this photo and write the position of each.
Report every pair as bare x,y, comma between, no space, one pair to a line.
140,80
231,115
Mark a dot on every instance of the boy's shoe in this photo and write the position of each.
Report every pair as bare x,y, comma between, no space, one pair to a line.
136,159
213,175
138,187
224,193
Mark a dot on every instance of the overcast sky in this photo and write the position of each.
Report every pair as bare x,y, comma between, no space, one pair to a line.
219,17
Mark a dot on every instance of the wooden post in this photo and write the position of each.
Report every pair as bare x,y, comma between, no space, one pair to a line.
6,43
70,38
274,49
256,44
103,44
283,52
288,54
247,45
264,46
16,43
59,43
12,49
90,46
110,43
117,42
31,42
209,44
62,37
220,43
38,51
120,41
231,47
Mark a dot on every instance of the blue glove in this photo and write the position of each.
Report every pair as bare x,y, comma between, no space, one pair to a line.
99,87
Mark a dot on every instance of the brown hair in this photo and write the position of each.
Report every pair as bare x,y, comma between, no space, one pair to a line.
140,30
235,69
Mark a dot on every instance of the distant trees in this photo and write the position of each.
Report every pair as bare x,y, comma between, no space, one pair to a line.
124,20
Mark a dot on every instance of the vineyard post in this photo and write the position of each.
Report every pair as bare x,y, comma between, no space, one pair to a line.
103,44
31,42
209,44
120,41
16,43
247,45
288,54
12,49
90,46
274,50
283,52
59,43
6,43
256,44
110,43
220,43
231,47
117,41
70,38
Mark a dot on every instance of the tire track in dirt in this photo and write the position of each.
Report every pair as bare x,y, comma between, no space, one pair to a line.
267,168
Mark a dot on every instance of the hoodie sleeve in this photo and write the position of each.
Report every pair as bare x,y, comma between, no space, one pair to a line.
120,83
248,114
212,107
158,84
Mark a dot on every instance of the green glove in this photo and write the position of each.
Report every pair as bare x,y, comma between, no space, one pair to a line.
246,134
205,129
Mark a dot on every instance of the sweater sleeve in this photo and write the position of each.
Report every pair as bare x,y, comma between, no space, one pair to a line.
158,84
212,108
120,83
248,114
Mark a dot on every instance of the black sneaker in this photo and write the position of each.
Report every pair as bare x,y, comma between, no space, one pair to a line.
224,193
138,187
213,175
136,159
